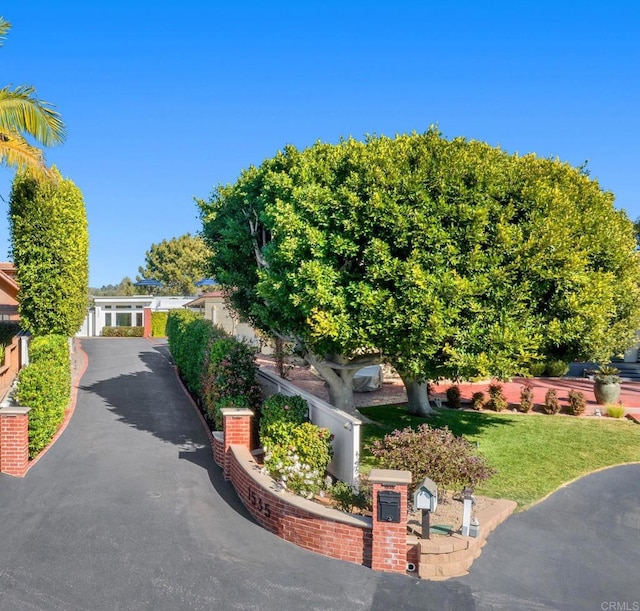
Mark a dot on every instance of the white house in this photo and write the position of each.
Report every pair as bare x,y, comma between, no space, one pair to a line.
133,311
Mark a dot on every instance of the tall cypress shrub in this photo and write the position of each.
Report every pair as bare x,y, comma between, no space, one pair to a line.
50,249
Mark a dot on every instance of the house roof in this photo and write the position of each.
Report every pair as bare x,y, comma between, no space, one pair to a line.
199,301
8,282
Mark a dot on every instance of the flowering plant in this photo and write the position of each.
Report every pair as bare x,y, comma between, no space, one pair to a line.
298,457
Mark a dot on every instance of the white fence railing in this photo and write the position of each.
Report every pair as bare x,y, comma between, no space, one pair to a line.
344,427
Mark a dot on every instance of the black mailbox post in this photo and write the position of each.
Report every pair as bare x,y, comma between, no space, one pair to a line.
388,506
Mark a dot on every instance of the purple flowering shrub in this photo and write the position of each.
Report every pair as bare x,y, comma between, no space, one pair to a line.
450,461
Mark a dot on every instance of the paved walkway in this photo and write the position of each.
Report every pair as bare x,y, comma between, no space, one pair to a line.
128,511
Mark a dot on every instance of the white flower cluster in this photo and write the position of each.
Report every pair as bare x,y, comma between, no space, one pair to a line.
295,475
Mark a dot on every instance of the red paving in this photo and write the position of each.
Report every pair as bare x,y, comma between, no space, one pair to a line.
629,391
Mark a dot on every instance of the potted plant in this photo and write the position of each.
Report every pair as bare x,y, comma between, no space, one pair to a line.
606,385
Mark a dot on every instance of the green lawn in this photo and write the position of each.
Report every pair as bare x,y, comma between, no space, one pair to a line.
534,454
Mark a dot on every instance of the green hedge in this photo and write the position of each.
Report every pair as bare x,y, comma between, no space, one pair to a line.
229,378
159,324
45,386
49,348
217,369
189,335
122,331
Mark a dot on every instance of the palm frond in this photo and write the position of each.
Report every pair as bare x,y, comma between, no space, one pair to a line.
16,152
22,111
5,26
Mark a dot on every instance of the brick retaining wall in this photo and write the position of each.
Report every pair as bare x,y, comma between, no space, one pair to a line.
307,524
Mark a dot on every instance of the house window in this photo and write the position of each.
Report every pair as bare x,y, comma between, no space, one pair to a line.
107,307
123,319
107,319
138,319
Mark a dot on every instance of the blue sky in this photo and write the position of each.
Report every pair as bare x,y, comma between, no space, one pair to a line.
162,104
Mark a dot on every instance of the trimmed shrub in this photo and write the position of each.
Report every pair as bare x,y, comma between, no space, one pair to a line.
279,409
229,373
615,411
477,400
453,397
345,497
122,331
45,386
526,398
450,461
299,459
159,324
50,249
49,348
189,336
537,370
497,401
556,368
577,402
551,403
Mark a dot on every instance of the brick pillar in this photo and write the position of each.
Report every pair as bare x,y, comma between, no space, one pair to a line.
389,538
147,322
14,440
237,432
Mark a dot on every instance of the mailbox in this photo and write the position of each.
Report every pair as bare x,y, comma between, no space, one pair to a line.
388,506
425,496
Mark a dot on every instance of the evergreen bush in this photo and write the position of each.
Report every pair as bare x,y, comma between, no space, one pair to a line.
526,398
551,402
497,401
122,331
477,400
159,324
279,409
453,397
45,386
577,403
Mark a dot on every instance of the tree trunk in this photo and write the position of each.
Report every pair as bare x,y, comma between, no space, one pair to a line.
340,388
339,382
418,397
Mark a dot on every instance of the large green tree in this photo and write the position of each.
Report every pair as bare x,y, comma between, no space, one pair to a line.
50,249
445,258
178,263
24,116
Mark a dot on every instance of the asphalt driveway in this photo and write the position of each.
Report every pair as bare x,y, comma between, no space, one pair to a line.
128,511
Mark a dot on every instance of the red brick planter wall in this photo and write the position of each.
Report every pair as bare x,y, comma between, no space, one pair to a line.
218,447
304,523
